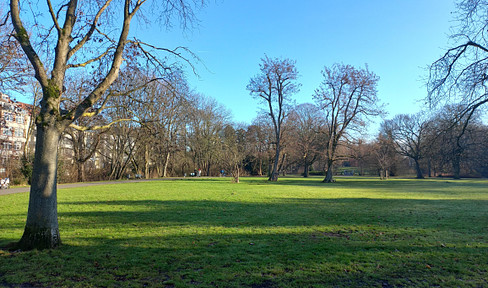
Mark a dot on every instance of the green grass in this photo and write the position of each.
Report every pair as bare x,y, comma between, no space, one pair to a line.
294,233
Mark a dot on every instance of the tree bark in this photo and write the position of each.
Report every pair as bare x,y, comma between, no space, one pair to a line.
260,168
328,172
165,167
306,169
147,159
235,174
274,172
420,175
328,176
41,229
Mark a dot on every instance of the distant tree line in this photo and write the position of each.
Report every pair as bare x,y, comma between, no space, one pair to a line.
171,131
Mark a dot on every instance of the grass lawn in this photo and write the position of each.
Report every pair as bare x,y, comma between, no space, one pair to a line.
294,233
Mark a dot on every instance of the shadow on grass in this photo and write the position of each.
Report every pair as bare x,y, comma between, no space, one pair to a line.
244,260
396,184
289,212
292,242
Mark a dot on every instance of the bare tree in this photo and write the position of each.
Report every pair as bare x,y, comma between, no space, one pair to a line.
206,121
83,36
461,74
455,132
258,146
306,125
409,134
274,85
159,110
232,151
347,96
384,154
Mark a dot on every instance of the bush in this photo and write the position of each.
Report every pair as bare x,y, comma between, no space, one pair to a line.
26,168
316,173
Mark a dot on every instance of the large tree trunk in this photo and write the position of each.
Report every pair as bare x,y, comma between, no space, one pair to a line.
328,172
420,175
274,172
306,169
41,229
166,162
260,169
456,165
328,176
146,161
235,174
81,171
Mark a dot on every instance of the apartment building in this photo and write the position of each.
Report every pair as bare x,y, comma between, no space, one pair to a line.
14,127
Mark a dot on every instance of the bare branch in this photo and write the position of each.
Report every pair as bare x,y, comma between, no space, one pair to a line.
90,32
53,17
98,127
24,40
91,60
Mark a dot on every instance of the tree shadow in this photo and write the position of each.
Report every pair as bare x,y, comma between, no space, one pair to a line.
397,185
241,260
285,212
289,242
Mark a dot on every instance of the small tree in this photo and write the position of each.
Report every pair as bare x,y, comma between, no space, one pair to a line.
384,153
274,85
347,96
233,151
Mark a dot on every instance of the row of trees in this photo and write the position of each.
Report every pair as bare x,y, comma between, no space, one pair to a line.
169,130
446,143
160,128
174,131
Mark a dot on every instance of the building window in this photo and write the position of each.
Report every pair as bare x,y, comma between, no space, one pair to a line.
19,133
7,146
7,132
8,117
2,170
18,146
19,119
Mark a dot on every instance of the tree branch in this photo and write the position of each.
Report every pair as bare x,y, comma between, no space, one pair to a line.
53,16
97,127
90,32
23,38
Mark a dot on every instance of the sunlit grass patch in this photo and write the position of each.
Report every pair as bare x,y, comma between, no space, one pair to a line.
294,233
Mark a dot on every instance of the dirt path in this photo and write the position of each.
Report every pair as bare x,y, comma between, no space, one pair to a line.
73,185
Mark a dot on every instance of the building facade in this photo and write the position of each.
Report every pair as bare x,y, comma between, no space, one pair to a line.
14,129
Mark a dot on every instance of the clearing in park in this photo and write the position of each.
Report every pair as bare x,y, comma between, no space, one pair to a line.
292,233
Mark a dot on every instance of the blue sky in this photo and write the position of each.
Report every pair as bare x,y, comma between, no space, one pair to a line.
397,39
